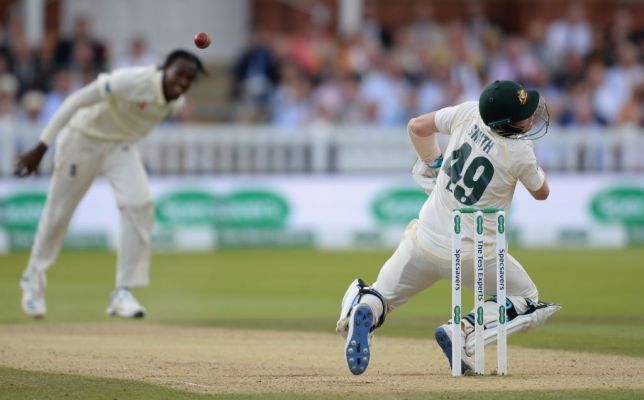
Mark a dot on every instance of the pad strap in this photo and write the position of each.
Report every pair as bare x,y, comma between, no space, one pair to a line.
364,289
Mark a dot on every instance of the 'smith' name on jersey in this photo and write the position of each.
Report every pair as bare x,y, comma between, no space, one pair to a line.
480,138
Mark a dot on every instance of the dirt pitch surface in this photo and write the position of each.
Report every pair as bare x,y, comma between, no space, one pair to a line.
214,360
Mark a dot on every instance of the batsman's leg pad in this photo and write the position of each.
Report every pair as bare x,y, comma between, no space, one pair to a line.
357,289
535,315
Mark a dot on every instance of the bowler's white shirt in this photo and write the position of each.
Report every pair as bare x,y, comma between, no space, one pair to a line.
132,104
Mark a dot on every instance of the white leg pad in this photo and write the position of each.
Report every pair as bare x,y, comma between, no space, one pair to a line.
357,293
521,323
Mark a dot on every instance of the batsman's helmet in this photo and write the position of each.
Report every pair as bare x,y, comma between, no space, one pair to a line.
503,103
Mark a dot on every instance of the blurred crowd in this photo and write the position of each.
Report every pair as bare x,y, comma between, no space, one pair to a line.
591,75
34,81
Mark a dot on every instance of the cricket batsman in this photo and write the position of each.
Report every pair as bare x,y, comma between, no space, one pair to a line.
97,128
490,149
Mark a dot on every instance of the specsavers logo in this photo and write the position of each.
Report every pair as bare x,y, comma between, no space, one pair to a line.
245,208
398,206
621,204
21,211
253,208
189,207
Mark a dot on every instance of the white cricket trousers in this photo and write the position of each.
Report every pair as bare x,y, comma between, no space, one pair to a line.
415,266
79,160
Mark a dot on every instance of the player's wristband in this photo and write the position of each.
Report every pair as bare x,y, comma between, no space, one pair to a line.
437,163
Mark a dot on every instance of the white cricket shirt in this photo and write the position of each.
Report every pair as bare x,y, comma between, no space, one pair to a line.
133,103
480,169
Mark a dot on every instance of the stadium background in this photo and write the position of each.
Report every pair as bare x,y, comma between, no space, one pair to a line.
287,175
297,115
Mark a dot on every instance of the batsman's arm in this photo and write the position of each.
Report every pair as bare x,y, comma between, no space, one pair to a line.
422,133
85,97
29,161
544,191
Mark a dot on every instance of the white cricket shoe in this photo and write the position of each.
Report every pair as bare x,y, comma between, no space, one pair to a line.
357,349
124,304
33,294
443,337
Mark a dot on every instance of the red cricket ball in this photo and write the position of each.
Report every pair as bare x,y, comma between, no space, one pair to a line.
202,40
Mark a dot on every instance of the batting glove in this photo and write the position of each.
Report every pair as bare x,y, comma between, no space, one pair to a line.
426,174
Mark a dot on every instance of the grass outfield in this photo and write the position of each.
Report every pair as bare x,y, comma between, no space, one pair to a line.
599,291
268,289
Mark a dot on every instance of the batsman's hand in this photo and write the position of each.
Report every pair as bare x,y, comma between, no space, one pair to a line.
425,174
29,161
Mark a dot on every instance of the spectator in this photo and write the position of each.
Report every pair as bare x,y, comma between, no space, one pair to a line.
4,64
61,88
83,66
301,51
609,91
353,111
465,64
619,31
32,104
569,35
65,53
426,34
9,113
291,106
255,75
8,91
536,40
328,96
476,21
628,65
407,56
354,54
385,91
631,122
28,118
5,52
21,59
572,73
515,63
632,112
438,89
138,55
373,30
27,67
580,109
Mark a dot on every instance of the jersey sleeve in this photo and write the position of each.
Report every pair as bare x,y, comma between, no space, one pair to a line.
444,119
448,118
85,97
528,171
103,82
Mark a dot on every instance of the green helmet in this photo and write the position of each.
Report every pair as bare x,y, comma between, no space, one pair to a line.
505,102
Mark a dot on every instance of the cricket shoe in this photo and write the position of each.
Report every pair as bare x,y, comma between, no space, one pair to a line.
358,339
443,337
33,294
124,304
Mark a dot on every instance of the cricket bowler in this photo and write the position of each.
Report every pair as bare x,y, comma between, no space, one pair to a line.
97,129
